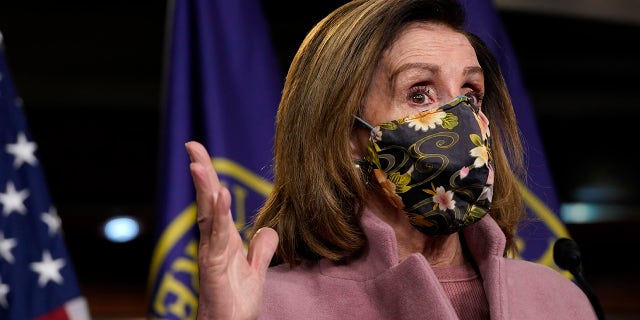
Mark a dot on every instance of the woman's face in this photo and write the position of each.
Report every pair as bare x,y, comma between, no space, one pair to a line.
427,66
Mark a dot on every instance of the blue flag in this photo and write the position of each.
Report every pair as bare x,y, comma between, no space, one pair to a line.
37,278
543,225
222,88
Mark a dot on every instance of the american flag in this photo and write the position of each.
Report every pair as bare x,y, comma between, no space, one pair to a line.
37,279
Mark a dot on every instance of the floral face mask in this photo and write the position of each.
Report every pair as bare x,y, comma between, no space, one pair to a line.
436,166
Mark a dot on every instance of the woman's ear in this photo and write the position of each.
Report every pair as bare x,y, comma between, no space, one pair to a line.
358,142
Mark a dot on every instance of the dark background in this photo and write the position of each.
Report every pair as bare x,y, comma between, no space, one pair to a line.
90,76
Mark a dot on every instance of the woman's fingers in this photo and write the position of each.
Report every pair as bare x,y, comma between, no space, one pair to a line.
212,214
223,227
198,154
205,199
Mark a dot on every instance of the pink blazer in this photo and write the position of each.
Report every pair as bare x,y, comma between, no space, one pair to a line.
377,286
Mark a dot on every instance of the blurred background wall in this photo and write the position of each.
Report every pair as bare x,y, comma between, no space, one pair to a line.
90,76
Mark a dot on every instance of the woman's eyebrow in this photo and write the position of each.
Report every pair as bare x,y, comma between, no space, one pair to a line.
472,70
433,68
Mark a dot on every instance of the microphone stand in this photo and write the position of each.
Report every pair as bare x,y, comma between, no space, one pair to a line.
567,256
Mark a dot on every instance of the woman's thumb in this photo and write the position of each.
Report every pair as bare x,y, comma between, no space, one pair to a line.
262,247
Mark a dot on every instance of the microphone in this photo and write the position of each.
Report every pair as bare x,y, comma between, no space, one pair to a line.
566,255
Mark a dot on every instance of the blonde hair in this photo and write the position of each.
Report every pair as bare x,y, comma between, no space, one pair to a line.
314,205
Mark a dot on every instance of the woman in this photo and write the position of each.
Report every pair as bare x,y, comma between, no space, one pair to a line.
394,193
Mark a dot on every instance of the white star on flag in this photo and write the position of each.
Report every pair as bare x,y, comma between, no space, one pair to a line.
52,220
37,279
13,200
5,247
4,289
48,269
23,151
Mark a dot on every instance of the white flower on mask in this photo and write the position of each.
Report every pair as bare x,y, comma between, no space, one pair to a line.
376,134
442,199
427,121
481,154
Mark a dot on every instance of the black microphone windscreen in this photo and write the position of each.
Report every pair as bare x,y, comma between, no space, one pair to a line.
566,254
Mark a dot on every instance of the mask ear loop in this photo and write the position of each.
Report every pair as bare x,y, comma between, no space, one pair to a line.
364,123
362,164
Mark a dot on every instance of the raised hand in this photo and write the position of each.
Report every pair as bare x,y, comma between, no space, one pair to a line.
231,283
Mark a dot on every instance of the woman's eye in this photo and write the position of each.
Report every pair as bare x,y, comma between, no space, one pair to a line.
420,96
476,98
